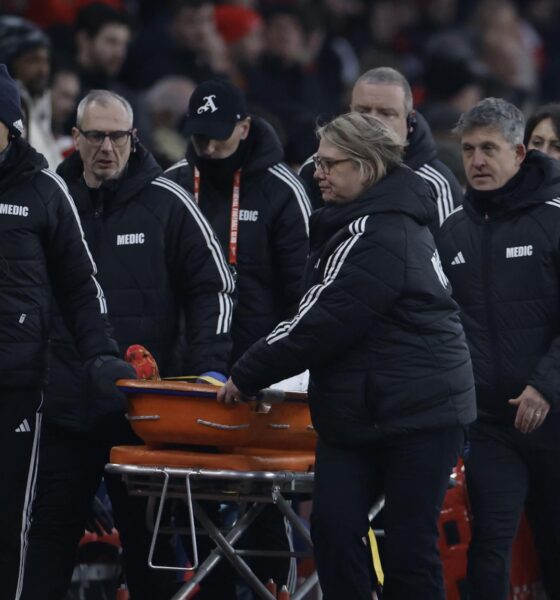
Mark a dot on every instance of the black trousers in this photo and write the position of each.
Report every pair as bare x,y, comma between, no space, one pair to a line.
412,471
20,423
71,467
507,471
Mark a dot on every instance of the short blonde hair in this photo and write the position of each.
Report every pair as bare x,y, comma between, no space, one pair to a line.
365,140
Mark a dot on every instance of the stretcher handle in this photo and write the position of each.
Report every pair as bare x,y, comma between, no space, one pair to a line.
274,396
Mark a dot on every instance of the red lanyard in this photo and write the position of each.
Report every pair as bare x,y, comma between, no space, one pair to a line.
234,218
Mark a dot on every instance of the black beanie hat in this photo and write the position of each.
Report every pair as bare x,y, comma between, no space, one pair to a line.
10,103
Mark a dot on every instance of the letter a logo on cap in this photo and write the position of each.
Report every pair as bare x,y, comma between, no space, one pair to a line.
208,105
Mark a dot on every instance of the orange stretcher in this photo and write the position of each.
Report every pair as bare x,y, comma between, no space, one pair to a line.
266,456
177,412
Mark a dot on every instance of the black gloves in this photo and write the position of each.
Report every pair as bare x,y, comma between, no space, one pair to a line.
104,370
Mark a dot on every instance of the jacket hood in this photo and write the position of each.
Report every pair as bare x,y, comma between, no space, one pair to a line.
263,149
21,163
139,171
421,147
537,181
400,191
266,148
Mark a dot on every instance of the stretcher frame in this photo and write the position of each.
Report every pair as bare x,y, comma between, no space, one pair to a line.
253,488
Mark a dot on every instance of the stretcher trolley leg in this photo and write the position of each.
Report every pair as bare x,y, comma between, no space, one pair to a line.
192,476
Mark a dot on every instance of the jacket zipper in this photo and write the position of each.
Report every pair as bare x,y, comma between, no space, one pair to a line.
487,269
98,212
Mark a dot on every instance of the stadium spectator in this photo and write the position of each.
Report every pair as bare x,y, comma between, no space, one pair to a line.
25,49
541,131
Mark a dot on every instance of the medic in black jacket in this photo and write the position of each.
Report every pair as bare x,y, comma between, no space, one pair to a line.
384,93
391,384
501,253
42,253
255,203
259,210
161,263
163,273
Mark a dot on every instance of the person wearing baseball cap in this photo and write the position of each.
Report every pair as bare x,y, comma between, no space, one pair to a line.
216,107
259,209
42,254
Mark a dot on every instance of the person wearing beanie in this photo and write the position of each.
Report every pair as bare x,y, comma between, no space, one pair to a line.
42,254
259,209
168,289
10,105
25,49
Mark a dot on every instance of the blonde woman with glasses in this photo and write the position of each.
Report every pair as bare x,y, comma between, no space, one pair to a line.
391,387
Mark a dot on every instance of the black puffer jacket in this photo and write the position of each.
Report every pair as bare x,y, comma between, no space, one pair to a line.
421,156
502,256
159,261
42,251
273,239
377,327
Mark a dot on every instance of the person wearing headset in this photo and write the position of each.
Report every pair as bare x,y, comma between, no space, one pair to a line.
166,279
385,93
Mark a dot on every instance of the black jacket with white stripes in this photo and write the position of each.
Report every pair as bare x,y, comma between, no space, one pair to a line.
501,253
42,252
421,156
377,327
273,239
163,272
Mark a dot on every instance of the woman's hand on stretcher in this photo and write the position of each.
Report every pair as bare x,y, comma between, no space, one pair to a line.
230,394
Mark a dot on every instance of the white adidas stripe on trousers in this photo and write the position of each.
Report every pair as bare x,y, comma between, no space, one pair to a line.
28,499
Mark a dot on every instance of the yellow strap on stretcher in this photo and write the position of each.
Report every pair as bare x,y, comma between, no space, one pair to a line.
196,378
375,557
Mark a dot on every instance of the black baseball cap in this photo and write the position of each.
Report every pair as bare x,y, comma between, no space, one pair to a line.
215,108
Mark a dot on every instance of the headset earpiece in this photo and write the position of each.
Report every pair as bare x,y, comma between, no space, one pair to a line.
411,121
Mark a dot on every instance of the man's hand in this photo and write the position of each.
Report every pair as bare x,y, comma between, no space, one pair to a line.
532,409
230,394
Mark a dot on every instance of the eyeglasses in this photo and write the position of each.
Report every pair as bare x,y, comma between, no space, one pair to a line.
96,138
326,164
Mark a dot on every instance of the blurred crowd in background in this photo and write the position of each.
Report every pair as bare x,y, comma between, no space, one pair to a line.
295,60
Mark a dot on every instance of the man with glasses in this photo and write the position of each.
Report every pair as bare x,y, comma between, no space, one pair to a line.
166,278
385,94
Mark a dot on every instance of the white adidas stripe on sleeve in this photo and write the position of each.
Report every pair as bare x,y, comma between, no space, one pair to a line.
334,264
62,184
182,163
284,174
224,299
443,190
